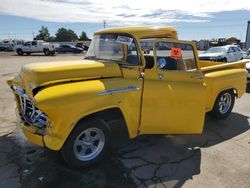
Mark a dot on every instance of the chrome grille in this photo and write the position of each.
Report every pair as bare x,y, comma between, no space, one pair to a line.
29,112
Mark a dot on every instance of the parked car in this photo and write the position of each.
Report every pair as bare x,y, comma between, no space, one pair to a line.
228,53
69,48
36,46
2,47
5,47
248,70
82,45
248,52
80,107
248,66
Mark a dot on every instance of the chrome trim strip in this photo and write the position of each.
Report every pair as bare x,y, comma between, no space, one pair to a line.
110,91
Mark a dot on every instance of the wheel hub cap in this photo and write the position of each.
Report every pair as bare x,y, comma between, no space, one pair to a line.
225,103
89,144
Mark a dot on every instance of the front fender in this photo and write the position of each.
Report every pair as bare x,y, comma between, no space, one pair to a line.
65,104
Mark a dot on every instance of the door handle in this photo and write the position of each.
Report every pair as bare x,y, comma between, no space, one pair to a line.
160,76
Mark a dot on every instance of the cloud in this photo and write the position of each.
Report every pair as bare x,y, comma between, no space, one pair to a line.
121,12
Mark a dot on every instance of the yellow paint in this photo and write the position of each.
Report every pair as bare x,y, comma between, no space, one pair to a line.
30,133
175,104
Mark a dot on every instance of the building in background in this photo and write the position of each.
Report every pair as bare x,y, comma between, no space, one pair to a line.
248,36
203,44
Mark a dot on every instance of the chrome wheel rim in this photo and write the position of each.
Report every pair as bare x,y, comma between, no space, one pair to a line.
225,103
89,144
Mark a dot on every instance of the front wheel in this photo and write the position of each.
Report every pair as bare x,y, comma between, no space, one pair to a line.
223,105
86,144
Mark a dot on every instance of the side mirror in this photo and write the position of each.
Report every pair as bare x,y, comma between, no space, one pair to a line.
161,63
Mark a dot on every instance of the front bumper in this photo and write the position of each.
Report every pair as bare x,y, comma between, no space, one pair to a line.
36,126
31,134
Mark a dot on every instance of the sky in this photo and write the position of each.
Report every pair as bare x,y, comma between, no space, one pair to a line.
194,19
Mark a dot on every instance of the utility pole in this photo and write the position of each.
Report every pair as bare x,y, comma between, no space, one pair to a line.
104,23
33,35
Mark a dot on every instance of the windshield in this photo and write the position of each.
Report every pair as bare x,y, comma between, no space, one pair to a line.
216,50
113,47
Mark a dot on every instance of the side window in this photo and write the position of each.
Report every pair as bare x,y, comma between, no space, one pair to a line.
236,49
231,50
175,56
27,44
34,43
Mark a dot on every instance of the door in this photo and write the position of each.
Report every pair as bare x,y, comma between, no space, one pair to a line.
34,47
174,93
27,47
238,54
231,55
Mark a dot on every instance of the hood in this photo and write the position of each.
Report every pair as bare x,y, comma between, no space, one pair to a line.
211,54
42,74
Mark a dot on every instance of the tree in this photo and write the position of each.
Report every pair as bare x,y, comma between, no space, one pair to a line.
83,36
51,39
43,34
63,34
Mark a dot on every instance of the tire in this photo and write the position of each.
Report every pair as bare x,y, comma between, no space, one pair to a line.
81,150
223,105
46,52
19,52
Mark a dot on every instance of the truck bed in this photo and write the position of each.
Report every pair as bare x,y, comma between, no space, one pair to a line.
211,65
222,76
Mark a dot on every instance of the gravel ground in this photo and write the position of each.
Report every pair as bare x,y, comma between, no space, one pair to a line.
216,158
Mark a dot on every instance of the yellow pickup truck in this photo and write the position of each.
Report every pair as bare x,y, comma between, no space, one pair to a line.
132,81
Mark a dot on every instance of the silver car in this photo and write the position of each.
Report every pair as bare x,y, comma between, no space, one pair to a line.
228,53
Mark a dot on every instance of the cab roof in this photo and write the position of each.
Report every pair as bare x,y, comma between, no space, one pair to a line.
143,32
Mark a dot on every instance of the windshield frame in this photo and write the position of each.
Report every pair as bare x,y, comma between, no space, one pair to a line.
120,62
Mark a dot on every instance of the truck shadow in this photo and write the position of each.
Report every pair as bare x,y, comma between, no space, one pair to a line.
171,160
42,168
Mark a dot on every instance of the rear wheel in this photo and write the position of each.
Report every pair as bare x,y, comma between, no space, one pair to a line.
46,52
19,51
223,105
86,144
